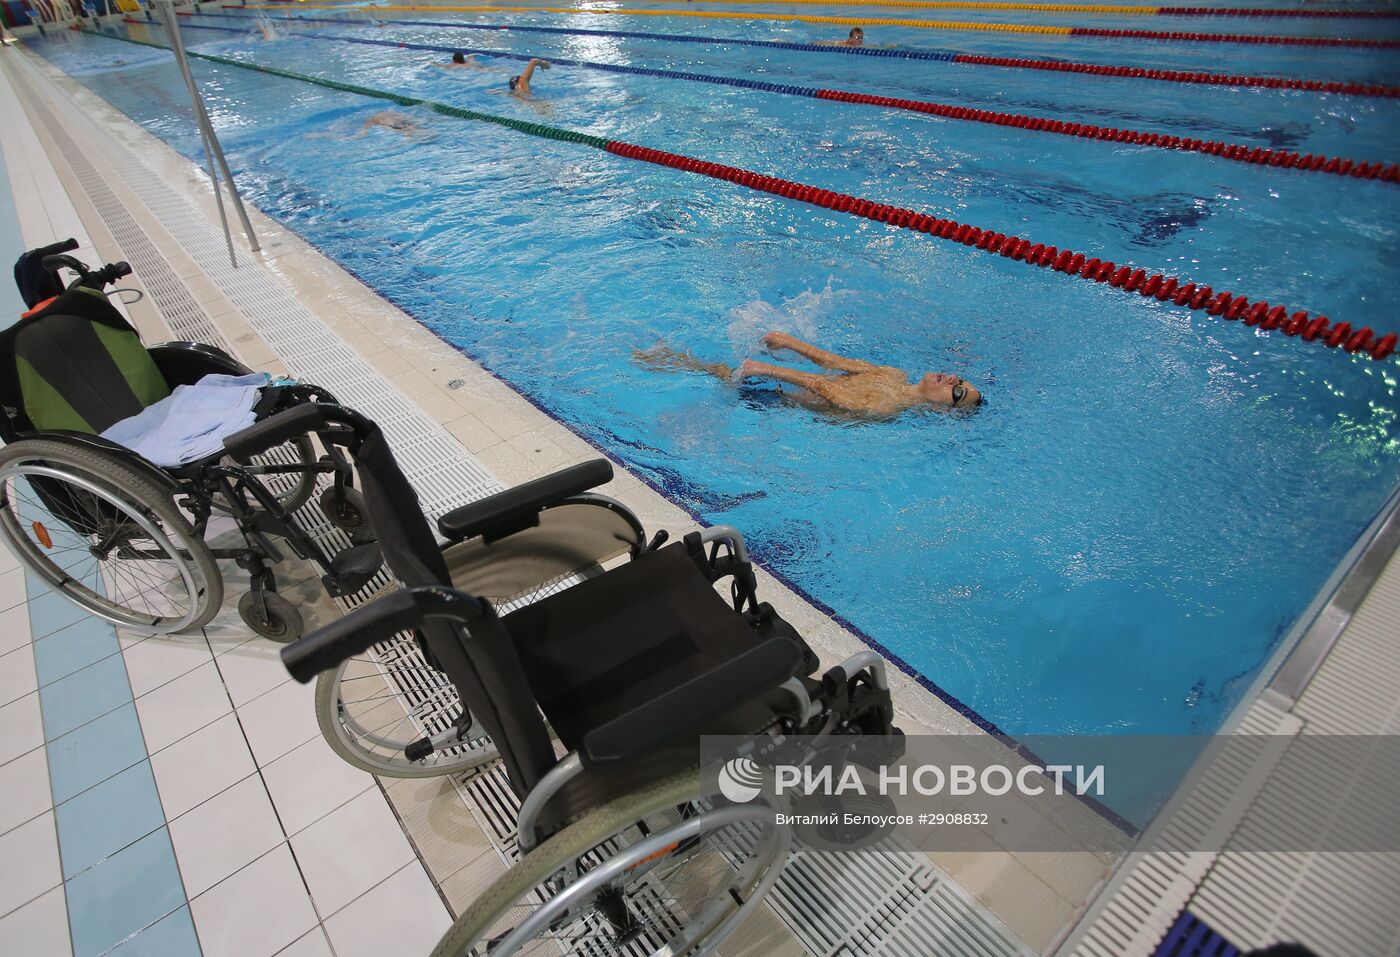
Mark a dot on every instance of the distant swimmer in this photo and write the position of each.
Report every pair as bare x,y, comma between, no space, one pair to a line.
268,31
858,387
461,61
520,85
388,119
856,38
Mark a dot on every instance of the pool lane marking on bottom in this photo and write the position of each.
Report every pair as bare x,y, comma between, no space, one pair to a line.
1254,313
1261,156
1341,87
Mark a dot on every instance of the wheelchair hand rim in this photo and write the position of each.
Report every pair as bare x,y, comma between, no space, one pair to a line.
100,605
780,840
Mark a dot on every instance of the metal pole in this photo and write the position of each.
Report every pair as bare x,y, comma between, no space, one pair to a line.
206,129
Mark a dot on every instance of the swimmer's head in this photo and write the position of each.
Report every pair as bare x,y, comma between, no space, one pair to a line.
459,58
949,390
857,35
514,82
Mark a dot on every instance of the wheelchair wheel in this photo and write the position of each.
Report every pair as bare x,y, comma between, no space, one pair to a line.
293,489
106,537
346,511
668,871
274,618
375,705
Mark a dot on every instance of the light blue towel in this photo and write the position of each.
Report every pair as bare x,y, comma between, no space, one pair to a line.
192,422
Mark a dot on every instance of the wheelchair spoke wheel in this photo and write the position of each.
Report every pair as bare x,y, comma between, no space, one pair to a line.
106,537
373,706
665,872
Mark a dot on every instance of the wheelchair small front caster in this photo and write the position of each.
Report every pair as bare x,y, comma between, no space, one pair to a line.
346,510
274,617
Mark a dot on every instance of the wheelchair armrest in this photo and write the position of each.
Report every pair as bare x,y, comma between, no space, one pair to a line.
517,508
370,624
185,363
738,681
274,430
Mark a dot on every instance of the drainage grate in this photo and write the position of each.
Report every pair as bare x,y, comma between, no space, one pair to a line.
892,902
1192,937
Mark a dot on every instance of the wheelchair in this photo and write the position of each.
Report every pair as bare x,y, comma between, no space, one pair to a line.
625,844
118,535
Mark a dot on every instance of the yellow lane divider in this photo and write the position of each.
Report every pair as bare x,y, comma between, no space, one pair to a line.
709,14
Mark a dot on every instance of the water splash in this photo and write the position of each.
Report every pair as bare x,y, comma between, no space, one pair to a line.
798,315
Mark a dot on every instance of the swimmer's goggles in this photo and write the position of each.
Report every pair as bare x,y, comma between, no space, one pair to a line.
960,393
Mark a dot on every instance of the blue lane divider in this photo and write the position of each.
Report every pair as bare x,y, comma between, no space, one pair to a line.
942,56
589,64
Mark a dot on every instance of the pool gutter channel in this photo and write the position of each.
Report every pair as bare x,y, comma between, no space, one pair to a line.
901,894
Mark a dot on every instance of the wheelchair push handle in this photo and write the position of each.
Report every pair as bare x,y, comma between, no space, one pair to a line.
62,246
378,621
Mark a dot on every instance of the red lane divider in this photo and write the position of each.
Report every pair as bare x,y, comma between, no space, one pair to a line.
1267,12
1237,38
1261,314
1183,76
1230,151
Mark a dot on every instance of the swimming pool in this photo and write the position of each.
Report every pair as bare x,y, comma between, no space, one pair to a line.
1116,542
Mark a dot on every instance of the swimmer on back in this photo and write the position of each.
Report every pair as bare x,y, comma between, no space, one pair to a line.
856,386
391,120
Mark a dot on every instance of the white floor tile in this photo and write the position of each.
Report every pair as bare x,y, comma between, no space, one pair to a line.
224,833
21,727
199,766
280,720
14,625
39,927
256,912
313,944
182,707
12,586
310,782
159,660
17,677
24,790
251,669
403,915
34,848
350,850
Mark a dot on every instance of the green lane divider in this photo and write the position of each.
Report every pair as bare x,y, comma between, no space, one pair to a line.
523,126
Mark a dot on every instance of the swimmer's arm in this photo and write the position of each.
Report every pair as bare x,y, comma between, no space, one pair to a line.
806,380
530,69
827,360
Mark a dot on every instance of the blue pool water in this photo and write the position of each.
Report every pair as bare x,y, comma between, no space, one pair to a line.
1150,497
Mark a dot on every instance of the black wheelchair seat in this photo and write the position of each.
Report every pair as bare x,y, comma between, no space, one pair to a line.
601,648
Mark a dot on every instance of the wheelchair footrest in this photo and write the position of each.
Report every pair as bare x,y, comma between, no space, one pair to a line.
353,568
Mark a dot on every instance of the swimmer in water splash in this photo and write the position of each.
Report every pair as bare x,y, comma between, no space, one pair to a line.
854,386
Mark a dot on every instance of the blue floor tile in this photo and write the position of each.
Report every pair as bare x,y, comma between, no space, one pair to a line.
128,891
84,695
106,818
171,936
48,610
95,752
73,648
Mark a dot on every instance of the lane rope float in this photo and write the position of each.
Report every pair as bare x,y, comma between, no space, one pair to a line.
1047,30
1259,313
1284,159
1344,87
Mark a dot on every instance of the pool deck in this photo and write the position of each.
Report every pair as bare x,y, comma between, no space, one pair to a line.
253,809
